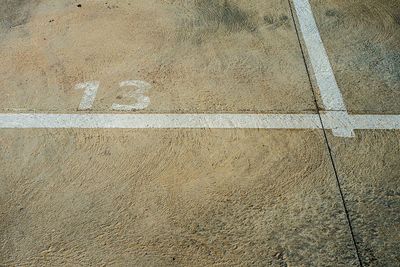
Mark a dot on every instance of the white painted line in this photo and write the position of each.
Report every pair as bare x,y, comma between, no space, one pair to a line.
388,122
141,121
329,90
343,125
193,121
332,98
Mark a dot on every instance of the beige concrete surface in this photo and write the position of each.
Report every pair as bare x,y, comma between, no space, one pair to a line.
196,197
369,171
362,38
199,56
176,197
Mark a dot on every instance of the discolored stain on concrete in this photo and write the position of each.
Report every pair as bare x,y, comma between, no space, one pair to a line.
397,18
332,13
14,13
223,13
376,58
276,21
203,19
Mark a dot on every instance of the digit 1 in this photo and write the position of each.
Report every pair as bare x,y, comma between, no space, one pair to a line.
89,94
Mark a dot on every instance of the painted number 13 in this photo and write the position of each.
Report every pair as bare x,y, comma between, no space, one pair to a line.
138,94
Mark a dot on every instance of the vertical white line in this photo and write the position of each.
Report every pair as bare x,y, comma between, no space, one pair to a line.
330,92
329,89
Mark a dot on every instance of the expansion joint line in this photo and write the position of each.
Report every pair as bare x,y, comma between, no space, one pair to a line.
338,109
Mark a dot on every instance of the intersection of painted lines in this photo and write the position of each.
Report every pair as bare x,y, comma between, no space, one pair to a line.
335,118
146,161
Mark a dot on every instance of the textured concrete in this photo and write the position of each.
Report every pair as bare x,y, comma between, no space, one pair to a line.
199,56
176,197
196,197
369,171
362,38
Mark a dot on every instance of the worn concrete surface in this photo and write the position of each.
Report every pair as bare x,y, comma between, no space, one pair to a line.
369,171
196,197
176,197
199,56
362,38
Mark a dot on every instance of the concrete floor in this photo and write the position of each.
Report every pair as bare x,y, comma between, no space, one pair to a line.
196,197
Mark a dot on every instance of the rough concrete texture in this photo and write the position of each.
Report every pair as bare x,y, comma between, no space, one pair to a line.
196,197
199,56
362,38
176,197
369,171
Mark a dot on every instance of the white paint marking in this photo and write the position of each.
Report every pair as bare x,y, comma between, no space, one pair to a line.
165,121
142,100
336,117
328,87
365,122
192,121
89,94
342,126
330,92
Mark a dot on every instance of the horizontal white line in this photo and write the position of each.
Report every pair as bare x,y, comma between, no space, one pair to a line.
343,124
278,121
219,121
376,121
